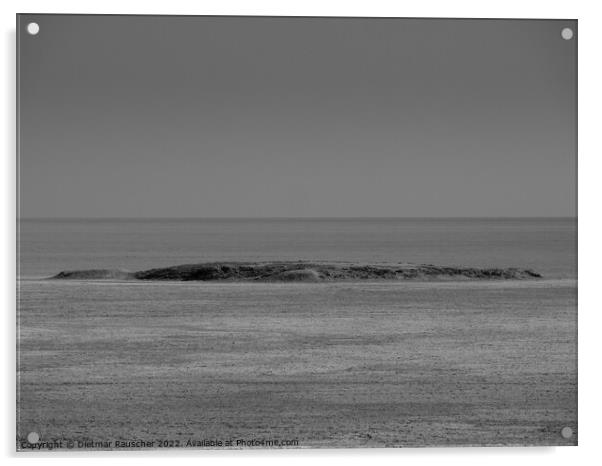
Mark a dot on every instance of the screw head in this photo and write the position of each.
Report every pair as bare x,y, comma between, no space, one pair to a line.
33,28
566,432
567,33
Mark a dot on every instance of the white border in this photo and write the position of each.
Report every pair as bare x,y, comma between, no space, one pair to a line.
590,309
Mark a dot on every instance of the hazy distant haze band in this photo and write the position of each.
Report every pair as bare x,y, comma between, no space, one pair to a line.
545,245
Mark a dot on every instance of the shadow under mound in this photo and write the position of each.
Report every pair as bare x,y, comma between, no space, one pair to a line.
302,272
95,274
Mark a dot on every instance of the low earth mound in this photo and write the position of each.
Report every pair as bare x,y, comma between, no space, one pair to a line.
96,274
302,272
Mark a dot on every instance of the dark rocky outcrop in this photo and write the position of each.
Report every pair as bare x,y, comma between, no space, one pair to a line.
96,274
302,272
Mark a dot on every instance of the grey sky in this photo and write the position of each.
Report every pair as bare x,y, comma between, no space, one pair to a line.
281,117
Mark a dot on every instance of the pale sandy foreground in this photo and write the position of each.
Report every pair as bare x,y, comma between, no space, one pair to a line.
327,364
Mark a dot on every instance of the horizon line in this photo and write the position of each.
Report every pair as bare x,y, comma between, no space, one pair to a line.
501,217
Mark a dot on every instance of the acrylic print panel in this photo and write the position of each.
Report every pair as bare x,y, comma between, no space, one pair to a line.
263,232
